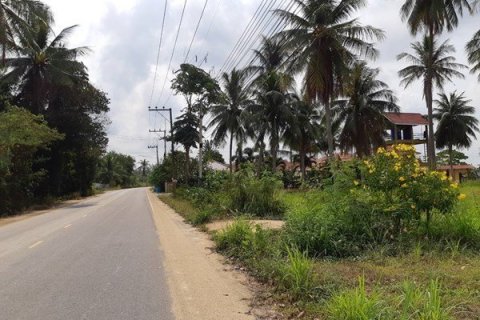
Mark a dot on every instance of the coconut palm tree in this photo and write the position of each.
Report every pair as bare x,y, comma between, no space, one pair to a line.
473,51
302,133
432,64
432,17
227,116
456,123
16,17
270,85
325,40
361,110
42,65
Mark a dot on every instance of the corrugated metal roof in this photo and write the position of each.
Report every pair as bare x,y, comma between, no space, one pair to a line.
408,119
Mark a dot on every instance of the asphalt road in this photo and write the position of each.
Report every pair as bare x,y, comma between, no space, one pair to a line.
98,259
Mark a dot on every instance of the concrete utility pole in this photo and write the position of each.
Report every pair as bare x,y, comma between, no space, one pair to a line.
155,147
164,141
169,110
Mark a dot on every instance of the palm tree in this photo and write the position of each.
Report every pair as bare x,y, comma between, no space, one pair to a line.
325,41
302,133
473,50
43,65
272,112
16,17
432,64
456,123
227,116
432,17
361,111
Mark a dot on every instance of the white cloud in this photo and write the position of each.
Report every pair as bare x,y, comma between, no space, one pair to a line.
124,36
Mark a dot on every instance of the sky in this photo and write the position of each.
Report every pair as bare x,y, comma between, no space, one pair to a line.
124,38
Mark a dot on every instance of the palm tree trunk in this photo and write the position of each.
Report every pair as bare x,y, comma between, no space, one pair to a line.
200,146
450,155
274,145
328,118
302,162
429,100
187,164
231,151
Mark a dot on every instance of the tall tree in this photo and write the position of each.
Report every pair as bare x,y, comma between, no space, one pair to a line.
325,40
456,123
271,112
432,17
227,116
473,51
186,132
302,133
361,110
432,64
43,64
200,91
16,19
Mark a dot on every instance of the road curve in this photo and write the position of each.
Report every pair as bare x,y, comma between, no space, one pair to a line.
98,259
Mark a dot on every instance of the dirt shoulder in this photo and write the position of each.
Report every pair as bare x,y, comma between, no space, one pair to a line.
201,286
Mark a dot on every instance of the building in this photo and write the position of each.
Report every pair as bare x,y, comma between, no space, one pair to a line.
460,171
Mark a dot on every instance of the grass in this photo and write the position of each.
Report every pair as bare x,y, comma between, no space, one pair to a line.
433,279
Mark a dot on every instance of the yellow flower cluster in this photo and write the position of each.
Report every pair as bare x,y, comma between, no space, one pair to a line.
462,196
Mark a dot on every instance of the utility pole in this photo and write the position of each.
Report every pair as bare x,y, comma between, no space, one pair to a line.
161,111
155,147
164,141
169,110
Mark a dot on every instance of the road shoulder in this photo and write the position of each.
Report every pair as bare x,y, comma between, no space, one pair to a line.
201,287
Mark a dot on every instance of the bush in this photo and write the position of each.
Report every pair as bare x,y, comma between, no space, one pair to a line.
234,237
255,196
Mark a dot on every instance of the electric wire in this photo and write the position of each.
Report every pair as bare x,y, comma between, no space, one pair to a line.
252,34
196,30
247,28
158,53
173,51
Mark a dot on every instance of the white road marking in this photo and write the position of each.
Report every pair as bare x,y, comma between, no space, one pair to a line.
35,244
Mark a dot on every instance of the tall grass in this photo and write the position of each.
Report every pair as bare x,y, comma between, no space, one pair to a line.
297,274
357,304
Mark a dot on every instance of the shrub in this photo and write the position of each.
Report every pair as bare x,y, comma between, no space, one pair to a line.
255,196
234,237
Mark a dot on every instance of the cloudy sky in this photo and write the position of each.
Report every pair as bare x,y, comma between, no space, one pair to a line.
124,37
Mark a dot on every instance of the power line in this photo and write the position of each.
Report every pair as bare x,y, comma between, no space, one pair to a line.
196,30
251,36
158,53
260,34
247,28
173,51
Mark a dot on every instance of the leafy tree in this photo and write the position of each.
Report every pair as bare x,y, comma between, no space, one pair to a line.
325,41
21,135
361,111
227,115
432,64
16,19
431,17
443,157
456,123
186,132
200,91
42,65
211,153
473,50
117,169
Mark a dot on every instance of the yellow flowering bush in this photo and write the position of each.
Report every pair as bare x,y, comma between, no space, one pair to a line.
405,182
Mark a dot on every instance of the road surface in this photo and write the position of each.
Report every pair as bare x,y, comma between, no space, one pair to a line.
98,259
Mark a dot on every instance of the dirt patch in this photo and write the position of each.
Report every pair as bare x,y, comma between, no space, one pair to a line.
266,224
202,285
